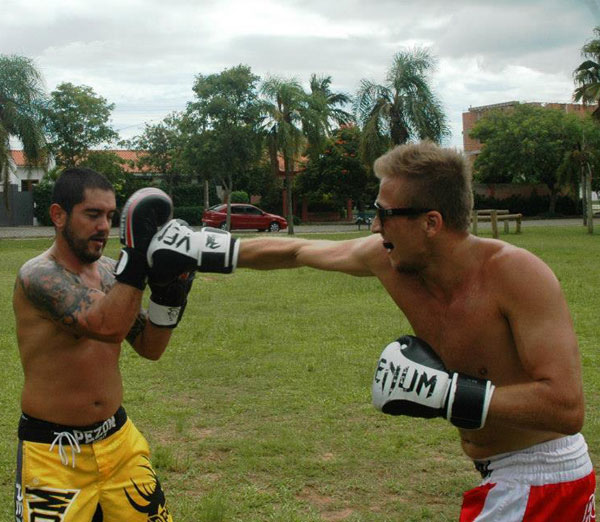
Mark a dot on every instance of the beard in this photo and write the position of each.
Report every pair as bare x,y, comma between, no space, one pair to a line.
80,246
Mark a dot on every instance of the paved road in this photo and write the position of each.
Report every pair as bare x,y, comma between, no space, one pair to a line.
36,232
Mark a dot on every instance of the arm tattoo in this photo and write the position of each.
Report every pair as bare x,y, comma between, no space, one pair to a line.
137,328
56,291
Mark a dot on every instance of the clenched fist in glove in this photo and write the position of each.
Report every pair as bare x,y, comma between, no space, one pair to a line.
410,379
144,212
176,249
168,302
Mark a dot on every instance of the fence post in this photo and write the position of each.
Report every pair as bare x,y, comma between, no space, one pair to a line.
494,220
474,220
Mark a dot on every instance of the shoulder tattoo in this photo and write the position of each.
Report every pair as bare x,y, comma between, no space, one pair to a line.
106,267
55,290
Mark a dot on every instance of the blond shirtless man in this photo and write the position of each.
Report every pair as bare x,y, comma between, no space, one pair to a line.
494,345
80,458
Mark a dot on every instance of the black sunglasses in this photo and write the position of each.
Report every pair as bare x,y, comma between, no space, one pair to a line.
382,213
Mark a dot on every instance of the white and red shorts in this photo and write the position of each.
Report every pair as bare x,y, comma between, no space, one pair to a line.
552,481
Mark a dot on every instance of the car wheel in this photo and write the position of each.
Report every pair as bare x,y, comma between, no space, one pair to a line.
274,227
223,226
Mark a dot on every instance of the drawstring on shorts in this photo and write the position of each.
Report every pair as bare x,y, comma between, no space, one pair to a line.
64,437
72,441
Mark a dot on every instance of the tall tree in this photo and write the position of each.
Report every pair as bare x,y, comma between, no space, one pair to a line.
77,121
403,108
162,145
524,145
587,75
338,174
226,116
284,107
21,100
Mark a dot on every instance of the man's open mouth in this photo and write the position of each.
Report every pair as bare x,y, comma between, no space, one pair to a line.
101,240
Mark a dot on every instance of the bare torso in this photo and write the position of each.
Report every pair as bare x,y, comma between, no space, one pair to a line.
471,335
69,379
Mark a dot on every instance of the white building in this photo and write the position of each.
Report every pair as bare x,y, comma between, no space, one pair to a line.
21,174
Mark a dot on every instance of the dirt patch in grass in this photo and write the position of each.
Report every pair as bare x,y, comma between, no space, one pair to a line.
342,514
324,504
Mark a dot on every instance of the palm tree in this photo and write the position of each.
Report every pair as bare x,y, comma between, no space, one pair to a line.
21,99
587,75
324,110
404,108
284,106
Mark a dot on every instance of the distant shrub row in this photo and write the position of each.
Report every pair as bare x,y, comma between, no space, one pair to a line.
187,200
533,205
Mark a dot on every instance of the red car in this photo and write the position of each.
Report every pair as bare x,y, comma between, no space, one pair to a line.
243,216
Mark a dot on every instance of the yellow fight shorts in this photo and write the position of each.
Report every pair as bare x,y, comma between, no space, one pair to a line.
98,473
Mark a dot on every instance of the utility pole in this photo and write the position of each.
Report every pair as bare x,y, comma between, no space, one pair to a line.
588,199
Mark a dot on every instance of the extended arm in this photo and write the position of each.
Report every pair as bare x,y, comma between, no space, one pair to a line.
356,256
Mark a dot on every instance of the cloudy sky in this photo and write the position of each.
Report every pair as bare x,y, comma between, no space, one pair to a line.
143,55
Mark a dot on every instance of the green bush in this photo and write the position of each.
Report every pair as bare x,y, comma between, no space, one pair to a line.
240,196
42,198
535,205
186,194
187,199
327,204
193,215
272,201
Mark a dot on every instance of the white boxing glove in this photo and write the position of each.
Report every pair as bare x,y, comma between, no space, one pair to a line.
218,251
410,379
176,249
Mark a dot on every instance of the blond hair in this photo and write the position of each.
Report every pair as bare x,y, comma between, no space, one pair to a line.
439,179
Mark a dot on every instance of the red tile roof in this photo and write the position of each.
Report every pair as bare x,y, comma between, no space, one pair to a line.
131,157
18,156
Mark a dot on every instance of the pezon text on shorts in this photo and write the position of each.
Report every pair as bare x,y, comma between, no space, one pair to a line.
99,433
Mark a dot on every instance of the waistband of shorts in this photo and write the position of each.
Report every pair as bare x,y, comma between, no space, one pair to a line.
36,430
562,459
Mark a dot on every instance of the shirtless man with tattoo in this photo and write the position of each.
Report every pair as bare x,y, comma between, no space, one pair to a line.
494,349
79,457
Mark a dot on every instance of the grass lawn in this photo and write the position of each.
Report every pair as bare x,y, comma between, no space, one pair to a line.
260,408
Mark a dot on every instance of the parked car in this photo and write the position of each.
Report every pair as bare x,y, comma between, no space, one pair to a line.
243,216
